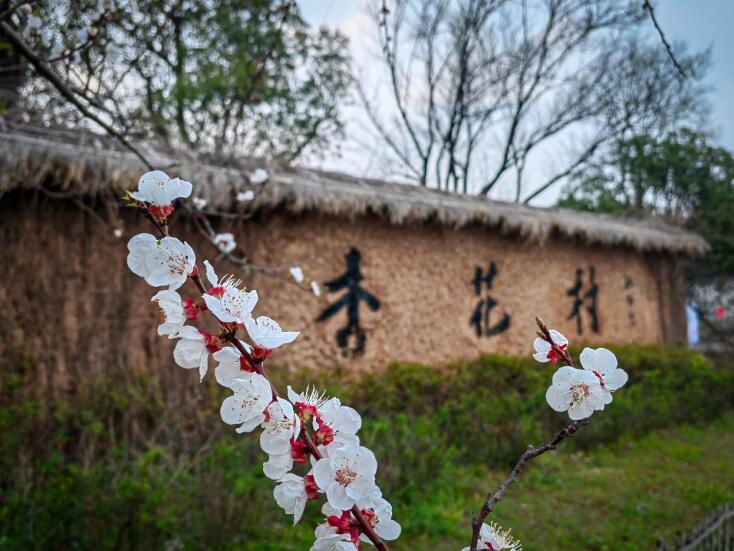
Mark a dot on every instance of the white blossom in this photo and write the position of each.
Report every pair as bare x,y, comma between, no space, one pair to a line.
327,539
226,300
346,476
341,440
244,196
310,398
199,202
191,351
379,515
281,426
278,465
577,391
230,365
316,289
603,363
494,538
246,407
341,419
297,273
225,242
267,333
544,351
117,232
290,494
170,303
260,176
160,262
157,188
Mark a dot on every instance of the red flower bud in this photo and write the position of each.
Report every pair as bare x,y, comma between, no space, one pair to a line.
312,490
161,212
261,353
299,451
325,435
245,365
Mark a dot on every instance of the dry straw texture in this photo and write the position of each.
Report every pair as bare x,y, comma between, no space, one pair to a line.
84,164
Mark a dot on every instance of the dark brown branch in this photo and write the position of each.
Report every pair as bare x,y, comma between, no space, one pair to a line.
530,453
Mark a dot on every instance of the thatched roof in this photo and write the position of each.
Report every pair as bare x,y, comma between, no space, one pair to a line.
86,164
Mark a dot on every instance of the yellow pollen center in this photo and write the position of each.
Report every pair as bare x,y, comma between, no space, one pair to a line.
579,391
345,476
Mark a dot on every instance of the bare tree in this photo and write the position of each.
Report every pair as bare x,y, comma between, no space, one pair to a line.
479,89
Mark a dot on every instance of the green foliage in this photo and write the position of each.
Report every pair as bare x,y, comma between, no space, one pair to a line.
242,77
681,177
120,465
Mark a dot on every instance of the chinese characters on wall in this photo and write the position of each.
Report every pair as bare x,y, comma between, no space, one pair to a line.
584,293
482,318
487,319
355,294
629,298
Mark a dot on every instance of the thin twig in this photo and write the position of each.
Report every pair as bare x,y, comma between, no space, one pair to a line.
649,9
530,453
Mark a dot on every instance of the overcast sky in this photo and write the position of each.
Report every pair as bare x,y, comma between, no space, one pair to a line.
700,23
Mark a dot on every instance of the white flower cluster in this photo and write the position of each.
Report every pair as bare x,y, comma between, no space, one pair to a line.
580,392
306,429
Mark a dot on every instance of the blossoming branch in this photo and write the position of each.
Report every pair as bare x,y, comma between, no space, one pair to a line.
308,432
579,392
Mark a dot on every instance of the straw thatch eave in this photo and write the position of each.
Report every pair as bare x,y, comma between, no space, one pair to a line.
84,164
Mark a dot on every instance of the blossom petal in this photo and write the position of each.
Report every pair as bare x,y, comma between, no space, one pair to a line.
616,379
581,410
388,529
203,366
565,375
542,347
278,465
557,398
337,496
250,424
322,473
558,338
211,275
188,353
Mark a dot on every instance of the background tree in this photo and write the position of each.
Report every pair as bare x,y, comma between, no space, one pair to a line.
480,88
685,180
228,76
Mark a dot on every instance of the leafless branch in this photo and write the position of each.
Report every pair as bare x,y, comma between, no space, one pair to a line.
647,6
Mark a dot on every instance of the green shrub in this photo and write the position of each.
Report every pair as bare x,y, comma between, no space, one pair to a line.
125,465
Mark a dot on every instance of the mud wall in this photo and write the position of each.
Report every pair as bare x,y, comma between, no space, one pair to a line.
427,294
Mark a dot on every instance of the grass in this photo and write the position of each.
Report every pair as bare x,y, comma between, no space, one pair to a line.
620,497
132,461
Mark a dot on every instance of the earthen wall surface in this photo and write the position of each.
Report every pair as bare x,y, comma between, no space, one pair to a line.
68,296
